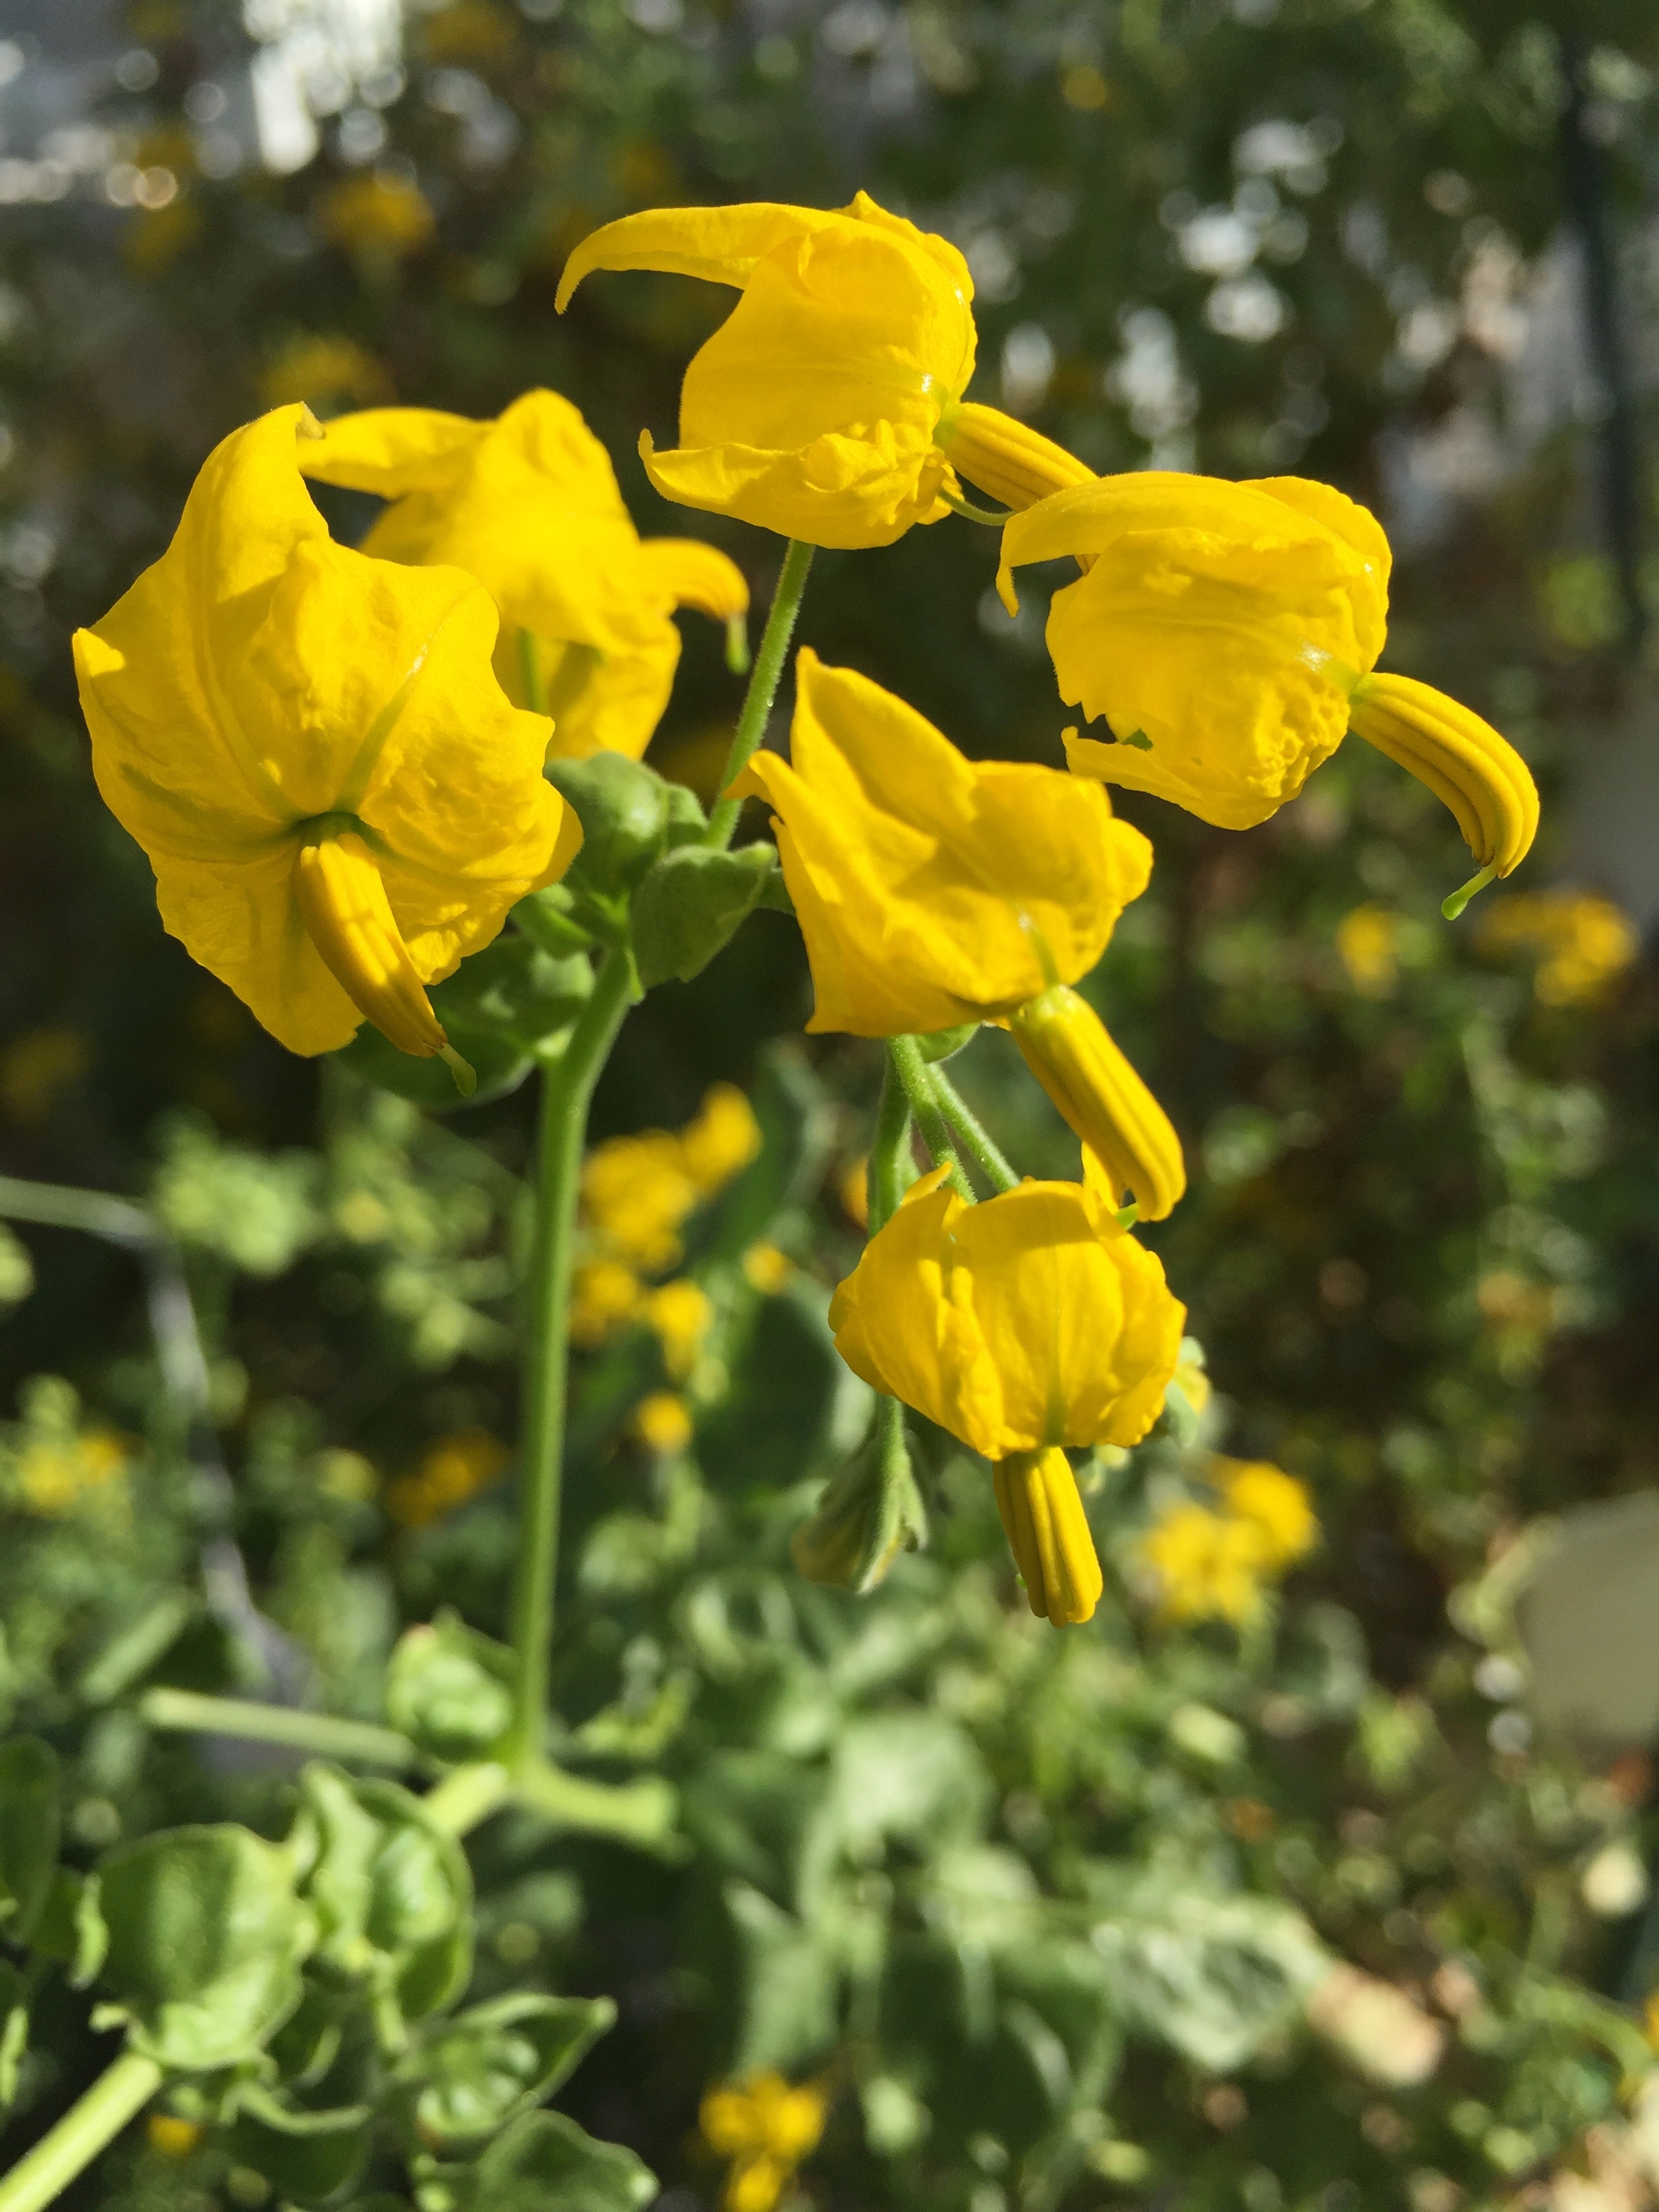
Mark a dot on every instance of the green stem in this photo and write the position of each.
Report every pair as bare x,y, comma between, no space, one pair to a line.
60,1206
888,1154
993,518
530,672
466,1796
359,1742
567,1091
763,681
980,1145
91,2124
904,1058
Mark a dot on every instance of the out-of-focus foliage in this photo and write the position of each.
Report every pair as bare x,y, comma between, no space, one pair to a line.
1279,1901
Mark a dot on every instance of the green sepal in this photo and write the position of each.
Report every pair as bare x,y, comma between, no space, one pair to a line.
307,2157
31,1819
547,918
690,905
945,1044
542,2163
206,1937
624,809
463,2082
450,1689
71,1928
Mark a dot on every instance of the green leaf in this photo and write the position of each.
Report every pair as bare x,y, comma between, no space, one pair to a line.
206,1935
944,1044
690,905
31,1817
466,2080
784,1985
499,1009
307,2157
788,1393
450,1689
71,1928
624,809
393,1892
13,2029
542,2163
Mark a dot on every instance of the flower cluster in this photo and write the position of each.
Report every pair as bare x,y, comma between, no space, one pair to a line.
347,769
764,2127
1582,943
1213,1562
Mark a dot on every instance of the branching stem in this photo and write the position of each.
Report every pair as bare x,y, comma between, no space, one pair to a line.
905,1060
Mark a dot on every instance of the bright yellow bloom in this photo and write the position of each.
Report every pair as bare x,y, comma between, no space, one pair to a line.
1207,1566
1272,1503
378,217
1227,633
722,1140
637,1191
933,891
1030,1322
1131,1144
766,1268
765,2127
1368,945
529,505
682,1316
448,1471
663,1422
1585,942
338,801
1049,1534
604,1294
828,408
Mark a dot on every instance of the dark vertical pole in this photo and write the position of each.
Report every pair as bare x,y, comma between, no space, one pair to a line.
1587,210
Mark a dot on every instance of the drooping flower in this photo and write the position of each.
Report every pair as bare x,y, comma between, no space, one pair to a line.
1023,1325
830,406
1228,634
338,801
932,892
528,504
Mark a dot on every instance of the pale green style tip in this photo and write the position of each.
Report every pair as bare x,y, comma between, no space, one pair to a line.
991,518
1452,907
737,644
467,1081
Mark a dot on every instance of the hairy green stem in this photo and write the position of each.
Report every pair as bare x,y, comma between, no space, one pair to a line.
980,1145
763,681
904,1058
91,2124
567,1091
358,1742
887,1151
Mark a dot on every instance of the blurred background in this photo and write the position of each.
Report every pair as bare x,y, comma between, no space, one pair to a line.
1408,246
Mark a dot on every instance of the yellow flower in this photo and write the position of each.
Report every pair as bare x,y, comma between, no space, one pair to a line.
722,1140
323,367
767,1268
1024,1324
529,505
376,216
1585,942
635,1192
55,1477
663,1422
1227,633
1273,1503
829,407
338,803
1367,944
449,1472
1130,1143
169,2136
604,1295
1207,1566
765,2127
932,890
681,1315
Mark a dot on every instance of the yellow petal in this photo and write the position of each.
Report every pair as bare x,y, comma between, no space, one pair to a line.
240,921
1462,759
931,891
720,244
391,450
1007,458
1050,1536
599,702
849,492
1068,1049
689,573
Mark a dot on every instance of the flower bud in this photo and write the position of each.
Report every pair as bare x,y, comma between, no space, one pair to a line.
1049,1534
1067,1046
